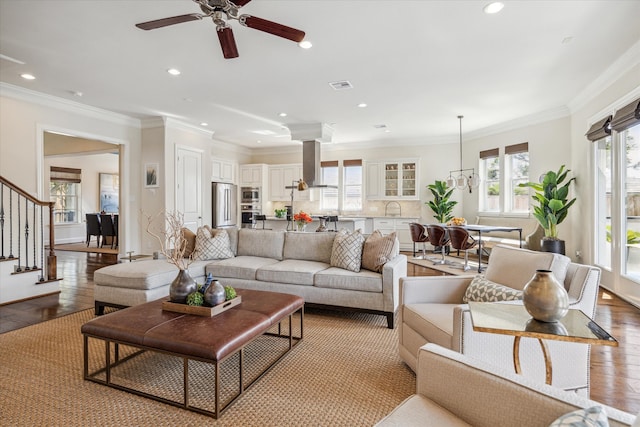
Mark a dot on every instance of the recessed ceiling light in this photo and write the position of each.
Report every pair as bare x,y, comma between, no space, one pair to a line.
305,44
173,71
27,76
493,7
204,124
283,114
259,141
77,93
362,105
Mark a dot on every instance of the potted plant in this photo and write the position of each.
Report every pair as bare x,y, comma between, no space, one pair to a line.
553,205
441,205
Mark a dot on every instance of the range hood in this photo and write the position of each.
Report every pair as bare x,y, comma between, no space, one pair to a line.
312,135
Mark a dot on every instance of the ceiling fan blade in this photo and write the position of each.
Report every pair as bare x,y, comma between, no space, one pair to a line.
159,23
240,3
227,42
272,28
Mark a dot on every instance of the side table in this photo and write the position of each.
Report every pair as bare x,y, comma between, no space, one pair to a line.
513,319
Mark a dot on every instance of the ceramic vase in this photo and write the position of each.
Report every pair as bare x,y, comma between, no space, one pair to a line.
214,294
545,298
182,286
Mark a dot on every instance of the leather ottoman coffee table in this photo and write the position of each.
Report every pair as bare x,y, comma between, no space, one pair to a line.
212,340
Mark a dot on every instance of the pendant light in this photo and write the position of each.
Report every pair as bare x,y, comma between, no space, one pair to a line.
461,180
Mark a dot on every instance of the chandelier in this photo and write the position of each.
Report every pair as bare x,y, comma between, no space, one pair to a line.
463,178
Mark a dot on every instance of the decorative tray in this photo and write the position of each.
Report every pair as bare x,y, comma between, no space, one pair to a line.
201,310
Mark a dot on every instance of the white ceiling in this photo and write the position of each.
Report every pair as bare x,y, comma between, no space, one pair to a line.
417,64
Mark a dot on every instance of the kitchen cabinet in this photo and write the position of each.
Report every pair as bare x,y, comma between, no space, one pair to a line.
281,176
387,225
222,170
253,175
393,179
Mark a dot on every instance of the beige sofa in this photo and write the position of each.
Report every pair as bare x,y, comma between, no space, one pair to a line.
532,232
432,311
279,261
456,390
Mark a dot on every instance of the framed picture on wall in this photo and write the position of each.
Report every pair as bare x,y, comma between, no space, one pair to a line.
151,175
109,192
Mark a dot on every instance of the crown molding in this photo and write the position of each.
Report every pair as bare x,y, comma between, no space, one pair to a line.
22,94
615,71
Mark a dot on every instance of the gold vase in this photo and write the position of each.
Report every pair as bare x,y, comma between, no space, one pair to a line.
545,298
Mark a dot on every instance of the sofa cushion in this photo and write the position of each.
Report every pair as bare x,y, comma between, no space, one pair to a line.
347,250
294,271
338,278
433,320
417,410
212,244
240,267
379,249
190,238
482,290
149,274
594,416
514,267
261,243
309,246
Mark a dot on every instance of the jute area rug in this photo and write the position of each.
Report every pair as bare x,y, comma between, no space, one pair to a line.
345,372
82,247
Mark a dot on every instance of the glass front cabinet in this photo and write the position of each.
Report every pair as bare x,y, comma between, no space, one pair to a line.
398,179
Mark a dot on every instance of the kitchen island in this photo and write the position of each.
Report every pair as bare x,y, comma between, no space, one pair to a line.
347,223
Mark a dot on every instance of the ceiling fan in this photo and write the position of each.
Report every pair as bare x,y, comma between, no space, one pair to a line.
220,11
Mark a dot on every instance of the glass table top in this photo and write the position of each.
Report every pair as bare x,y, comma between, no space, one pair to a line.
512,319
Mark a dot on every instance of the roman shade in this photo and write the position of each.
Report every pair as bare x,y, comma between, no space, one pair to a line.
357,162
517,148
65,174
599,129
487,154
329,164
626,117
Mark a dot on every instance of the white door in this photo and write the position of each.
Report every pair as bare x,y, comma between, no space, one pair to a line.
189,186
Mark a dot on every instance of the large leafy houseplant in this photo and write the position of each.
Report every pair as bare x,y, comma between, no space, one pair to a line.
553,200
441,205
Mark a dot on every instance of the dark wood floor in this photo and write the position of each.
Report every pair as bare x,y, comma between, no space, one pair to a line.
615,371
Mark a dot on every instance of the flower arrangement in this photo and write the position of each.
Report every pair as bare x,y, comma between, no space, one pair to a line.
302,218
168,229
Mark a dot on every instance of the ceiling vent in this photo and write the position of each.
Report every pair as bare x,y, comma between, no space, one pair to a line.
341,85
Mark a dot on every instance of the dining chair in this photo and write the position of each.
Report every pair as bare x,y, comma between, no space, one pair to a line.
462,241
108,229
418,235
93,228
116,228
439,238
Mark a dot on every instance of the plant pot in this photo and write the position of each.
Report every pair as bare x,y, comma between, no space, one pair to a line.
552,245
545,298
182,286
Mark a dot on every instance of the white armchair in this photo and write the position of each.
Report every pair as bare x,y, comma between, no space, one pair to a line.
432,311
455,390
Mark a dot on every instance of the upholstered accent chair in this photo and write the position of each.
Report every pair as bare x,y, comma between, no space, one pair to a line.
432,311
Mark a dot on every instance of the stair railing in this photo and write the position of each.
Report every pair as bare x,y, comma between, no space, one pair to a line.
13,218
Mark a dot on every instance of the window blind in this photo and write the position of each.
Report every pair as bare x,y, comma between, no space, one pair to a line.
65,174
626,117
486,154
329,164
599,129
357,162
516,148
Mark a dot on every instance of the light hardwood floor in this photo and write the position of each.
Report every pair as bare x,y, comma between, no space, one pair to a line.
615,371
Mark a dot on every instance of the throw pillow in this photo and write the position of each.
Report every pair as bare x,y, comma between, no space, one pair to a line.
594,416
212,244
483,290
190,238
377,250
347,250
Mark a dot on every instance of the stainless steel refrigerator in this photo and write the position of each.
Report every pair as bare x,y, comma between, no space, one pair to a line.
224,205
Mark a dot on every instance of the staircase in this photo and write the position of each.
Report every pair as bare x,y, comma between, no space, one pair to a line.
25,272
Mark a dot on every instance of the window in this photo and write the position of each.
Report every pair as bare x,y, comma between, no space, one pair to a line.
352,196
64,191
516,159
604,175
329,196
490,181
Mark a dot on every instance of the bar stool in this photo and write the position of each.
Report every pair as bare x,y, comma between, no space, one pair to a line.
438,237
334,220
462,241
262,218
418,235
